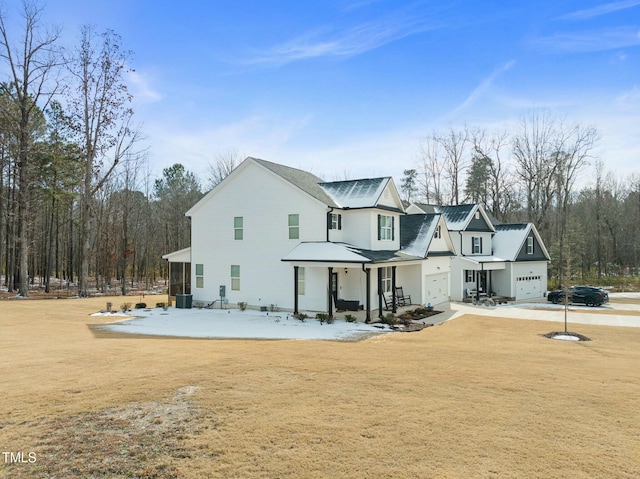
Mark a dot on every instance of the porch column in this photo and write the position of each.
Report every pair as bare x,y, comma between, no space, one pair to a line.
330,292
489,284
379,293
295,290
367,273
394,309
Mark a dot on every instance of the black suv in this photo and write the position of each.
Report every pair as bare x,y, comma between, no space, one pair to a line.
589,295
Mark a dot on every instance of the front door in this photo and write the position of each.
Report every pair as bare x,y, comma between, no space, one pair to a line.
334,286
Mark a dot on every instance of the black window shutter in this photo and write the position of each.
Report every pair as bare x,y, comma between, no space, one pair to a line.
480,245
339,222
393,229
329,222
379,224
472,238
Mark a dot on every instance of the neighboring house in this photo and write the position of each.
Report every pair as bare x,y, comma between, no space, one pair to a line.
507,260
269,235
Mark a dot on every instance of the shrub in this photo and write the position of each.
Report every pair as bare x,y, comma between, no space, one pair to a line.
141,305
274,308
300,316
350,318
322,317
242,305
389,319
125,307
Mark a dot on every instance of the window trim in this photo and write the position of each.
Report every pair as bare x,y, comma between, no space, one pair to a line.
477,244
529,244
386,230
294,229
238,231
199,275
235,280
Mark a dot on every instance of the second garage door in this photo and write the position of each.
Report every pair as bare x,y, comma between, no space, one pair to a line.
436,288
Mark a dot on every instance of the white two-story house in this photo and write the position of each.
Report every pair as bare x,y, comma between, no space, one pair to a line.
269,234
508,260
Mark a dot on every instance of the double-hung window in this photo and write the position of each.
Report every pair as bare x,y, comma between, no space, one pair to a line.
385,274
199,276
476,245
385,227
294,226
238,228
530,245
335,221
235,277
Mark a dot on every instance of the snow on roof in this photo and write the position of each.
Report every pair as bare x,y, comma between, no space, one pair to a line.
180,256
456,216
509,238
363,193
326,252
416,233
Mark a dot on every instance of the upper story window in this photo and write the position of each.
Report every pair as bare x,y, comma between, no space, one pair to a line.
530,245
335,221
438,232
476,245
294,226
238,228
385,227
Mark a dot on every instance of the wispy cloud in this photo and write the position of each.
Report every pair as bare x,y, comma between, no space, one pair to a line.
141,88
482,88
589,41
346,42
599,10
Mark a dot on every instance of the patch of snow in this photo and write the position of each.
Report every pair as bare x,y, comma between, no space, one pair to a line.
231,323
566,337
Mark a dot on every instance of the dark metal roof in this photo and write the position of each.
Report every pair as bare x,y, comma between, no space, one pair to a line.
361,193
416,231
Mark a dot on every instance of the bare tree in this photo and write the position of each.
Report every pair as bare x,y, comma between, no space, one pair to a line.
32,62
431,168
500,195
534,148
224,163
454,144
101,115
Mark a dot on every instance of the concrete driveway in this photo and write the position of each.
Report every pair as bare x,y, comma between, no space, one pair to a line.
610,314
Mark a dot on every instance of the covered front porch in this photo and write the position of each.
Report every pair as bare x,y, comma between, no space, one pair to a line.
331,278
476,276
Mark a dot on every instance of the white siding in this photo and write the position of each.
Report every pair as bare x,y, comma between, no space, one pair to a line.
264,200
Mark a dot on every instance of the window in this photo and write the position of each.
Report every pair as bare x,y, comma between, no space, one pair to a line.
385,273
335,221
470,276
438,232
476,245
199,276
294,226
385,227
235,277
238,228
300,280
530,245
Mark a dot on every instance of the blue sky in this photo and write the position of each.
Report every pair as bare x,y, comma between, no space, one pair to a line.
352,88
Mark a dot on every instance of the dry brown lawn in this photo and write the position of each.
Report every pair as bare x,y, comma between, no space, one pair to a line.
476,397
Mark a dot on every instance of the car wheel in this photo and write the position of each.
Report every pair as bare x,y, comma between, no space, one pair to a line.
555,300
590,302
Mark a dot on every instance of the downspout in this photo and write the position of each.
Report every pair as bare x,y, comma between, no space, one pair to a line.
329,220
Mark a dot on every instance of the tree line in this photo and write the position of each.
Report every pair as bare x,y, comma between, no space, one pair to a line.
78,203
546,171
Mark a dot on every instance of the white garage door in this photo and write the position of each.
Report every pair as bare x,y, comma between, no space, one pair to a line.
436,288
528,287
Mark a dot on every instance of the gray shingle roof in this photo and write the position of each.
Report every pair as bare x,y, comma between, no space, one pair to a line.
307,182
